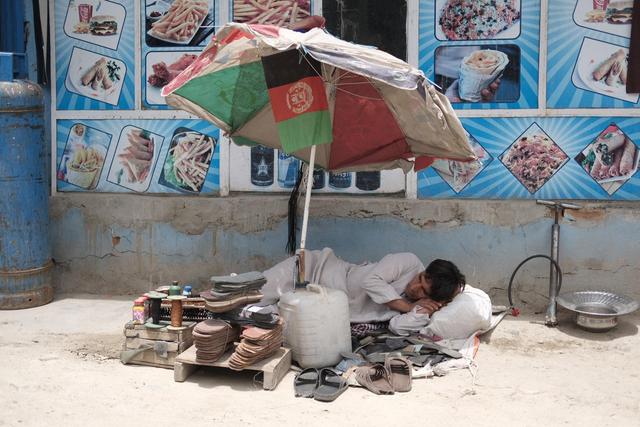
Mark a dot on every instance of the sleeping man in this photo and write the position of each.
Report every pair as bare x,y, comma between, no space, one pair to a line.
397,288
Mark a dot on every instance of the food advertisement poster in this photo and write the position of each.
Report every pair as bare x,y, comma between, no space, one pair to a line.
94,54
173,33
542,157
588,45
264,169
140,156
290,14
483,54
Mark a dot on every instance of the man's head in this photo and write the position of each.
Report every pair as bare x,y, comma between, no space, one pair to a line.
441,281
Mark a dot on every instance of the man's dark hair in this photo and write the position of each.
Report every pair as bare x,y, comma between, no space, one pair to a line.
445,279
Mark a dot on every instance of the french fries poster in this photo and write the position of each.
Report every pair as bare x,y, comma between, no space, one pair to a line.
139,156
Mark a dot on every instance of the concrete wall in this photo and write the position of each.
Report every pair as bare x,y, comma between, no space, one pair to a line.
126,244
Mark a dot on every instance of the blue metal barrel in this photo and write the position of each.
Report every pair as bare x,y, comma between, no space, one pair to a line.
25,252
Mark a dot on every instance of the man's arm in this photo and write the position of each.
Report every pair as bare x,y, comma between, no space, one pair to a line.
389,269
401,305
427,306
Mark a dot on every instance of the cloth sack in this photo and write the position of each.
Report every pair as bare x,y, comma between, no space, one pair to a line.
468,312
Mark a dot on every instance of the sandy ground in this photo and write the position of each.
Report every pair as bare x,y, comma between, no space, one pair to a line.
59,366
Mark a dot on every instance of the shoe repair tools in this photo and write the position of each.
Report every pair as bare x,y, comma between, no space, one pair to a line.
176,310
159,347
156,300
555,274
176,340
193,310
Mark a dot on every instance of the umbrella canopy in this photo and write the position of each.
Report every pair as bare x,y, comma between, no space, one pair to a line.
362,108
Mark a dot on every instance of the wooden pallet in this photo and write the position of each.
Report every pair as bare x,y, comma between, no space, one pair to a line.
273,368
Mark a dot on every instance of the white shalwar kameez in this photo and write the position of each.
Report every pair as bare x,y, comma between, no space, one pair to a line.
368,286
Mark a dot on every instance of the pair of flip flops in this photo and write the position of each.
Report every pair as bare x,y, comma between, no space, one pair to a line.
388,378
324,385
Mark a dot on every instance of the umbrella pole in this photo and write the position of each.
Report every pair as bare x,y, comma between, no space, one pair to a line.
305,217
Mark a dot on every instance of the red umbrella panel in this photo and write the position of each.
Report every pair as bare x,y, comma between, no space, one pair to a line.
363,108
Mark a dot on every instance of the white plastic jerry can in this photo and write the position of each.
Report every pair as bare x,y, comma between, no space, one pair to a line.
316,325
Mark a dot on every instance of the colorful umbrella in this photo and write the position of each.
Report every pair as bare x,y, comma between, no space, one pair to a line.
331,103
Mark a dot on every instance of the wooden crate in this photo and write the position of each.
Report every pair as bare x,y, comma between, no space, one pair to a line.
137,336
273,368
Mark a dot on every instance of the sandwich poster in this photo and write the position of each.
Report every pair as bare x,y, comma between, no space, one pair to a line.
588,54
138,156
542,157
489,59
94,54
173,33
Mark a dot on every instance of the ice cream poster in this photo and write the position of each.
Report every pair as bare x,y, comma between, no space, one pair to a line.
173,33
139,156
487,61
542,157
94,54
588,47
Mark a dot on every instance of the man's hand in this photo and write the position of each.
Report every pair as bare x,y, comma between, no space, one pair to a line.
428,306
400,305
487,94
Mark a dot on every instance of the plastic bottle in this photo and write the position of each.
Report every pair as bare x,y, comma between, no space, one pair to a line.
261,166
138,311
368,181
174,289
287,170
318,179
340,180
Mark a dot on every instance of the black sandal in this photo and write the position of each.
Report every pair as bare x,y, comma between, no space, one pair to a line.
306,382
330,386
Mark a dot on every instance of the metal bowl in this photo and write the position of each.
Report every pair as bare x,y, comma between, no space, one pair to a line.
597,311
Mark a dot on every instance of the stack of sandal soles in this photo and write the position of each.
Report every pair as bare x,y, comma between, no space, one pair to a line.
211,339
262,317
230,292
256,344
392,376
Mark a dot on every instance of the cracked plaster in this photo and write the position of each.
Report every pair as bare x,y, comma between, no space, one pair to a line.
130,243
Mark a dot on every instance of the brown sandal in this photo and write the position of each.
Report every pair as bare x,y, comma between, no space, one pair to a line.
399,370
374,378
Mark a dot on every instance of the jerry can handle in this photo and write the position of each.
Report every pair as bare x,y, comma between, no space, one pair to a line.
312,287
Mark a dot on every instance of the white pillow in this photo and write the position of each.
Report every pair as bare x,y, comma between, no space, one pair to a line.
468,312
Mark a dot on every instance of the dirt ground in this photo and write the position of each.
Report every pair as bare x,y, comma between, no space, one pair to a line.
59,366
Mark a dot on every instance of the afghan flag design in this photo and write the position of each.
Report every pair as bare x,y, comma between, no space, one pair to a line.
298,99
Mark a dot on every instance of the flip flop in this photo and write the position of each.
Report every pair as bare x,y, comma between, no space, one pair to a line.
374,378
306,382
330,385
399,369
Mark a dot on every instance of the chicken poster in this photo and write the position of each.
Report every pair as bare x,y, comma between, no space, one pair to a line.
587,54
94,55
542,158
483,54
173,33
139,156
